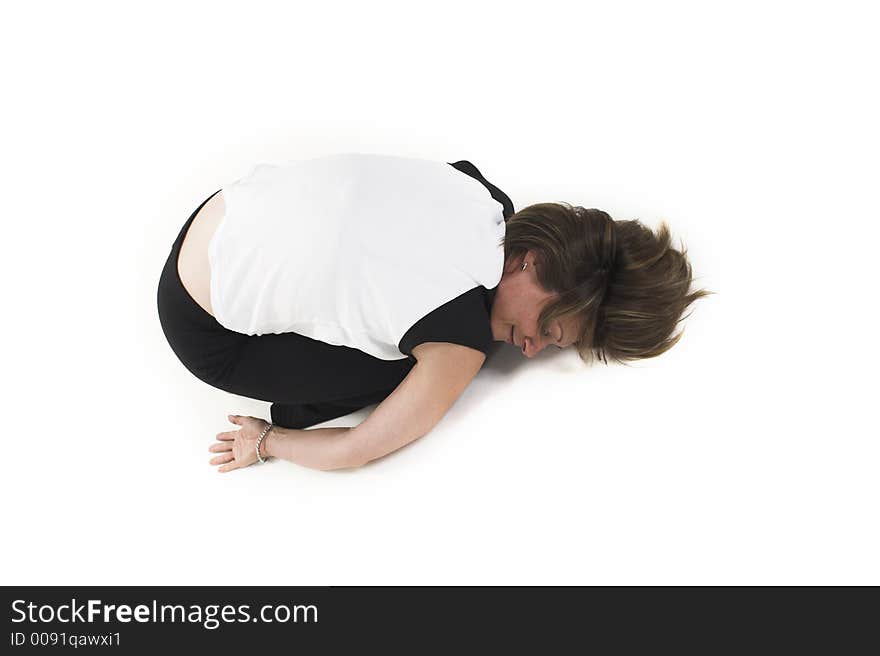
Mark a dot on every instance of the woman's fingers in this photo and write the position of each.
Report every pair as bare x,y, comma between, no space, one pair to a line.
218,447
227,467
235,419
223,458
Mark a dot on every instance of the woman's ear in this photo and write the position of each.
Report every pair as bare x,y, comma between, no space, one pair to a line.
513,264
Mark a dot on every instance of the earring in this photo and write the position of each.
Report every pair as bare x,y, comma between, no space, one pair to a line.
525,264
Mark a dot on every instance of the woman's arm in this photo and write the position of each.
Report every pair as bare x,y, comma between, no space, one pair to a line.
321,449
441,373
318,448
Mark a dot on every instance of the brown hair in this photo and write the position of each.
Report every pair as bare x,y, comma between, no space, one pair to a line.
627,285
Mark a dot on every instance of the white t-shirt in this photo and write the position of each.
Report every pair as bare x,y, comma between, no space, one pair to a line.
351,249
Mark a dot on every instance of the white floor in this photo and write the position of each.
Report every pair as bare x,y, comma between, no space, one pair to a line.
746,455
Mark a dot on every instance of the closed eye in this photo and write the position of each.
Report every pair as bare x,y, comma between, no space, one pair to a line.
558,343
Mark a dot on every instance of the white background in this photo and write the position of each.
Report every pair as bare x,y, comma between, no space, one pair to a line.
746,455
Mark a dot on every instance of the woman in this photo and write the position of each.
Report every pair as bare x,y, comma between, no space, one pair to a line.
329,284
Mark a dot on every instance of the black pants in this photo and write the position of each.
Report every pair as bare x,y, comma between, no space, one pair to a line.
306,380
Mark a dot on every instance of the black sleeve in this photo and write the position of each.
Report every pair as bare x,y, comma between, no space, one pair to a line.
464,320
469,169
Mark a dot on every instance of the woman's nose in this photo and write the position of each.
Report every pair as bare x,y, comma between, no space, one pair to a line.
531,348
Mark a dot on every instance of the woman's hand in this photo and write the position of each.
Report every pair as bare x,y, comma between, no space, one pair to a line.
238,447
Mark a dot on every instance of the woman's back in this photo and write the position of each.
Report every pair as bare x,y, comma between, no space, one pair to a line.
348,249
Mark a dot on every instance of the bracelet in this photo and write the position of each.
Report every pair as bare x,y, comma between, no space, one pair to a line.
260,440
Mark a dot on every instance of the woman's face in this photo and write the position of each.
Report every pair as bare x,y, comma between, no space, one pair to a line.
518,302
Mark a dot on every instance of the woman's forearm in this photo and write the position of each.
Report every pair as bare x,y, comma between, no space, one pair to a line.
317,448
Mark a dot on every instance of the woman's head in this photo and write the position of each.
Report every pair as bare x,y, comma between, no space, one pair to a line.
574,276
